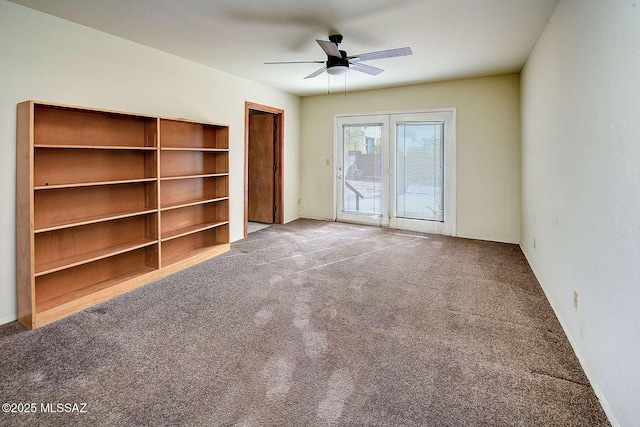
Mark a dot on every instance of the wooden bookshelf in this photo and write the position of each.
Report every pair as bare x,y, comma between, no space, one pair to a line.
109,201
194,189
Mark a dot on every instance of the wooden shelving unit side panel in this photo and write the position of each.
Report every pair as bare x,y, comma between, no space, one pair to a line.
62,126
24,215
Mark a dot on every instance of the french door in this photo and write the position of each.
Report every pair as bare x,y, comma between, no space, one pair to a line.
397,170
362,194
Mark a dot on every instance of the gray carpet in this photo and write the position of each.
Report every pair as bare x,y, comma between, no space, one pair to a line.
311,324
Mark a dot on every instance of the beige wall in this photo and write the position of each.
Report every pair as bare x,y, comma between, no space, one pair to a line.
49,59
581,188
488,148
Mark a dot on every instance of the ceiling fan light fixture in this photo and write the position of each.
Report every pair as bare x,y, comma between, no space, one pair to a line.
337,70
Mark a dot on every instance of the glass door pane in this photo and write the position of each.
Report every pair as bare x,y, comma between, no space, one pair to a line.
362,160
420,171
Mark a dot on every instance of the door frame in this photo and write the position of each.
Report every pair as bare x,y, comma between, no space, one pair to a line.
279,161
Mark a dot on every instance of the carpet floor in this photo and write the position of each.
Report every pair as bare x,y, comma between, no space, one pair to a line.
311,324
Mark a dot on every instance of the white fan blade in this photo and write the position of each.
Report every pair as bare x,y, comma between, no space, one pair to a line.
330,48
295,62
316,73
389,53
364,68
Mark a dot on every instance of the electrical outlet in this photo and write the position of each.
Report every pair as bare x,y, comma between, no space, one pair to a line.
575,299
303,206
327,162
534,243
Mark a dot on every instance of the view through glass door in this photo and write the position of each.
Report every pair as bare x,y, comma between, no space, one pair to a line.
362,191
397,170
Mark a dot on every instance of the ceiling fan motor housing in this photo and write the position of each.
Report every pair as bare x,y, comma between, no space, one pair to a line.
334,61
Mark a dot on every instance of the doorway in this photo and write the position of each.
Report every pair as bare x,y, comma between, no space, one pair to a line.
397,170
264,160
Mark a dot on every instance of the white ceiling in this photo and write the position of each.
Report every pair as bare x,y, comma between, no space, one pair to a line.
450,38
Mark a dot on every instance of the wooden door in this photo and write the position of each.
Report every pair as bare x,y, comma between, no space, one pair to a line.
261,167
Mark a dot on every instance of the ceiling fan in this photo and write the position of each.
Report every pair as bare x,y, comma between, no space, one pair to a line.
338,62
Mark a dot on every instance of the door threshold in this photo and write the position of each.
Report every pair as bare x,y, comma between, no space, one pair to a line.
256,226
